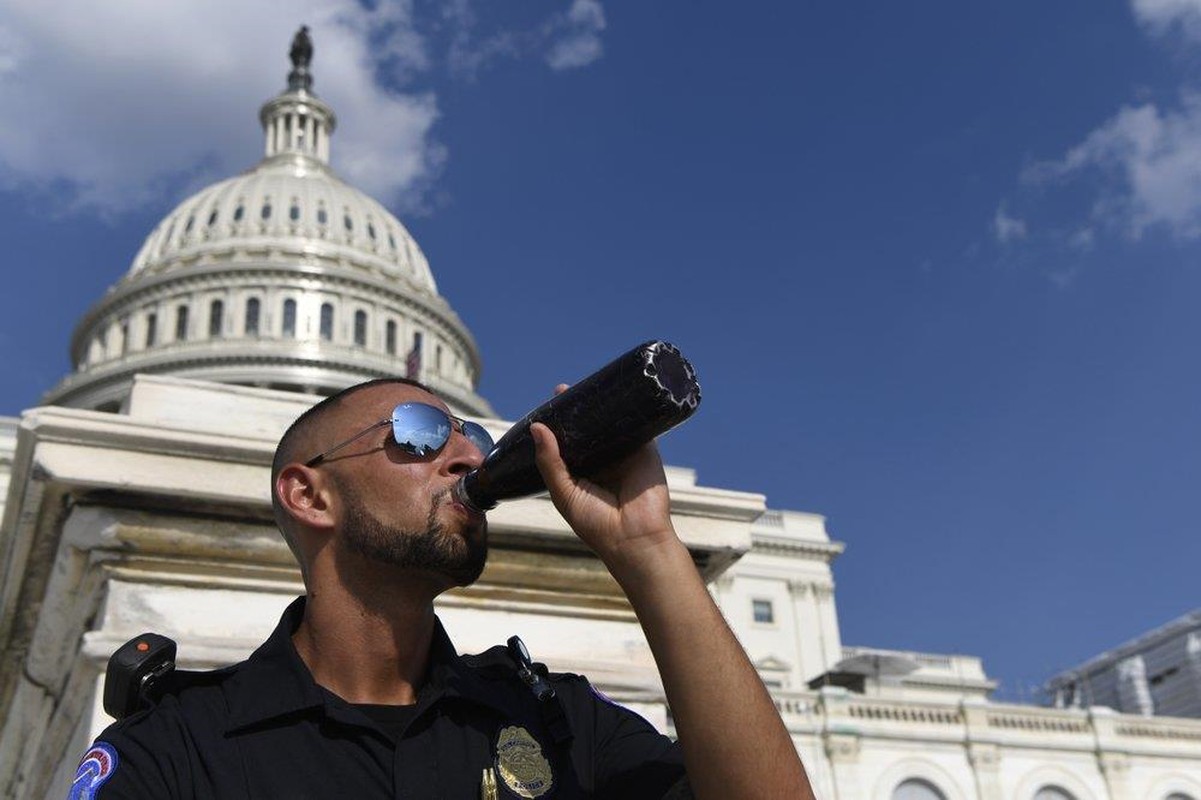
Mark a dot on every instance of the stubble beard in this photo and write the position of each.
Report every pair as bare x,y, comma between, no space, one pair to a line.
458,557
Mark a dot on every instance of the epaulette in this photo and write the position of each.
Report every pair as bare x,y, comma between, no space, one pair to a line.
142,671
513,660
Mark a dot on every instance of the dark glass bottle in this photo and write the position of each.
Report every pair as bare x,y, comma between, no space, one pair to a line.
598,421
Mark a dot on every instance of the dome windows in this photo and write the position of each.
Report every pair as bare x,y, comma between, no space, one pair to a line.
322,217
181,323
252,316
187,228
370,230
213,218
327,321
360,328
265,212
151,329
216,318
239,212
294,211
289,318
390,337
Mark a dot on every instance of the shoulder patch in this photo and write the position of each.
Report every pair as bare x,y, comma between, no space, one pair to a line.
96,767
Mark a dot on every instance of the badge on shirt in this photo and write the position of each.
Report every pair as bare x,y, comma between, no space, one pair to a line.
520,763
96,767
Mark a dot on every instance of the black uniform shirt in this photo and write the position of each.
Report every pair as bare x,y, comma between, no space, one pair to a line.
263,729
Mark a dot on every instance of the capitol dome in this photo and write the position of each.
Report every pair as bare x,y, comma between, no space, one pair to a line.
283,277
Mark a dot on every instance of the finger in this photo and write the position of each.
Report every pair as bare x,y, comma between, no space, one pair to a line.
550,463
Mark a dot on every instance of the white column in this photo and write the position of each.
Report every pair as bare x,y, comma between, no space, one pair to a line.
1133,692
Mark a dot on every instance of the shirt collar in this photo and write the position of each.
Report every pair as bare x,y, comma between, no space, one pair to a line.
275,682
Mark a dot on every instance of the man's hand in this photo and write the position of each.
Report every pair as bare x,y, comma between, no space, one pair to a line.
624,514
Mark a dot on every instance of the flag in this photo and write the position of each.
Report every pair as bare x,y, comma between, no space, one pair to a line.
413,359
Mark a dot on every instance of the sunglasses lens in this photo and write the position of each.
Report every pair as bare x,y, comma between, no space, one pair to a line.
478,437
420,429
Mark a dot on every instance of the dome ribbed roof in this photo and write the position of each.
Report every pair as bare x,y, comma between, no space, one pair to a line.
282,277
290,202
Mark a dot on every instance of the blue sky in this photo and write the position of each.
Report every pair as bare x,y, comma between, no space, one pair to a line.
936,264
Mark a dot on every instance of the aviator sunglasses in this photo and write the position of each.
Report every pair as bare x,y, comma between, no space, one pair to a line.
420,430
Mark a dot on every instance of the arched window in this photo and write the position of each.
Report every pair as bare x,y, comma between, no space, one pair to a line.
181,323
124,336
1053,793
294,211
191,221
252,316
151,328
216,317
390,337
438,359
327,321
347,222
916,789
213,218
360,328
265,213
290,318
239,212
322,217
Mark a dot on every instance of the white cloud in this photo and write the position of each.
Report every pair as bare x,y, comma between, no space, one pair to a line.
1150,161
119,101
108,106
565,40
1007,228
1163,16
578,42
1083,239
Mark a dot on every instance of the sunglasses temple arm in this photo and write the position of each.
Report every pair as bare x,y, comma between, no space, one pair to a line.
312,462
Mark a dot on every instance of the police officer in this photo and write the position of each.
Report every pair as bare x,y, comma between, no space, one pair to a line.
359,691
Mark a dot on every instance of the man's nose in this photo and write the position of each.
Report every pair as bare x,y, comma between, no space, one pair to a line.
461,454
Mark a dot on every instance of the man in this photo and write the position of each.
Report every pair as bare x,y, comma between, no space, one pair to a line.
359,693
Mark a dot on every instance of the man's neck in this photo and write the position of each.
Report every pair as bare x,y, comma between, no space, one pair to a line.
367,649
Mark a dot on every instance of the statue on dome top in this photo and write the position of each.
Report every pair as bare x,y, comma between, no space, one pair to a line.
302,48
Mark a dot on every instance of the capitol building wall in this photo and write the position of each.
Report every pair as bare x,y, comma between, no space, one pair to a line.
137,499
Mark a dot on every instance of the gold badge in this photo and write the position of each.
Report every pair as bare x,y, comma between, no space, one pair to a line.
520,763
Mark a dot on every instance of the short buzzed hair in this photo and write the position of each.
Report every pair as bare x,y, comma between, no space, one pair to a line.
297,437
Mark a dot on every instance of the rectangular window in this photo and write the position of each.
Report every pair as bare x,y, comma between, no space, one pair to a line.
390,337
761,611
290,318
360,328
216,318
327,322
252,316
151,328
181,323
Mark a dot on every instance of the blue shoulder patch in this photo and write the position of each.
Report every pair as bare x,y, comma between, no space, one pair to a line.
96,767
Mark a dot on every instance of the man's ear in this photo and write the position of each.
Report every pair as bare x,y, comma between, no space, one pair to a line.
304,496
